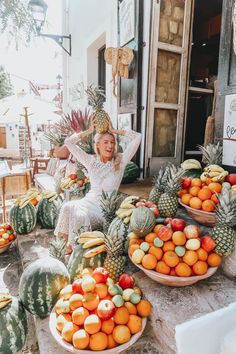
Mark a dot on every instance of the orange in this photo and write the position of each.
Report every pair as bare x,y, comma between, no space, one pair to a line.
194,191
62,320
208,181
172,272
98,341
208,205
204,193
144,308
134,324
79,315
75,301
101,289
156,251
121,316
151,236
195,203
171,258
80,339
200,267
214,199
149,261
133,241
132,248
214,260
202,254
34,201
2,242
185,199
168,246
121,334
11,237
90,301
183,270
215,187
162,268
108,326
157,228
190,257
92,324
182,192
111,342
68,330
179,238
131,308
196,182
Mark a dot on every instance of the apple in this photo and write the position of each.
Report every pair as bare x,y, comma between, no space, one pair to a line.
139,204
167,221
5,236
165,233
207,243
191,231
155,211
100,274
106,309
186,182
149,204
126,281
177,224
231,178
77,286
8,227
88,283
73,176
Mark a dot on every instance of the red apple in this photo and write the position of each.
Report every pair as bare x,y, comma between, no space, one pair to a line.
106,309
167,221
165,233
231,178
191,231
178,224
207,243
100,274
126,281
8,227
155,211
186,183
149,204
77,286
139,204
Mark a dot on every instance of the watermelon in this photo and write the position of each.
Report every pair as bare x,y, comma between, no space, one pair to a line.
195,173
142,221
41,283
13,327
48,211
77,262
23,220
131,173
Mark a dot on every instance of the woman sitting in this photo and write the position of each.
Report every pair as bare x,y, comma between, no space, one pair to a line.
105,171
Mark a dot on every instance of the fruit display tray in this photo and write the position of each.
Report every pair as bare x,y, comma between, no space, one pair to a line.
4,248
202,217
69,347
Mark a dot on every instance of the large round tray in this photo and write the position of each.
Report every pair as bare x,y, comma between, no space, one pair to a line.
202,217
4,248
67,346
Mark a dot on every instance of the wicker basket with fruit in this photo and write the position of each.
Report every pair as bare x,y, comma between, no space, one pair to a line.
7,236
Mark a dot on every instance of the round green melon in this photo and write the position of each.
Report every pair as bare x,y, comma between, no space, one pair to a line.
77,262
23,220
131,173
48,212
142,221
41,283
13,327
195,173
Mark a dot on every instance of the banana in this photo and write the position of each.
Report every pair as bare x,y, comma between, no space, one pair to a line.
53,198
131,199
4,296
220,177
92,234
214,168
93,242
191,164
132,235
4,303
84,240
49,195
94,251
120,211
204,176
213,174
125,213
22,205
126,220
127,206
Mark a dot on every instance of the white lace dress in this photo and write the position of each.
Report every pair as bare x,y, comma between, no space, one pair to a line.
86,212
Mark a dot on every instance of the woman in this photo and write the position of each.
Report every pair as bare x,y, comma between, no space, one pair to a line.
105,171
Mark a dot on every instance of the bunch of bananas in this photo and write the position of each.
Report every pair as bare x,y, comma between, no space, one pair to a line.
91,239
31,194
66,183
126,208
191,164
51,196
5,298
215,172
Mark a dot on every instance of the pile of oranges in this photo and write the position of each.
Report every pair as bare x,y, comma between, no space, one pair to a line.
176,253
201,195
96,314
6,234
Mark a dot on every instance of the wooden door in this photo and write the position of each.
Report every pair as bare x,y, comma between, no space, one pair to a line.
168,71
3,141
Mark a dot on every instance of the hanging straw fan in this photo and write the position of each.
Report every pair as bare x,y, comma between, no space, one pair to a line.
210,123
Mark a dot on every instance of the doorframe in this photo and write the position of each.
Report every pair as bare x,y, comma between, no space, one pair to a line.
152,104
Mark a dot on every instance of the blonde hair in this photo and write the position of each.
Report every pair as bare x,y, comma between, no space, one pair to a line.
116,156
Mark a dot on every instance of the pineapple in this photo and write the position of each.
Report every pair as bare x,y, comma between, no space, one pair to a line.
57,248
96,98
115,261
158,185
168,202
109,203
223,232
211,154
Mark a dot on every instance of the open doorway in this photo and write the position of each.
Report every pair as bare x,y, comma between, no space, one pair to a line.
203,71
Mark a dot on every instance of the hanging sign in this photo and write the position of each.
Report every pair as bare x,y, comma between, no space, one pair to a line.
229,134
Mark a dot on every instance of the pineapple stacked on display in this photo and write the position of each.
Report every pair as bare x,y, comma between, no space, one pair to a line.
109,203
223,232
168,202
159,182
96,98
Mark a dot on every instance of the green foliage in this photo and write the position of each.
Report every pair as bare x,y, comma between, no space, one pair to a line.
16,20
5,84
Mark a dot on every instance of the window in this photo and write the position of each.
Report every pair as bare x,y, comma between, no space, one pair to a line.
102,68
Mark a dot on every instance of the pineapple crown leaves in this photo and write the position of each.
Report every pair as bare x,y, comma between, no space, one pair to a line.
75,122
226,209
57,248
159,180
96,97
173,178
110,203
55,138
211,153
